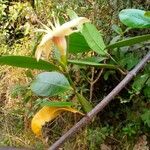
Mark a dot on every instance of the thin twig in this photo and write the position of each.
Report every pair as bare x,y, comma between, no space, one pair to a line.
88,118
92,82
99,75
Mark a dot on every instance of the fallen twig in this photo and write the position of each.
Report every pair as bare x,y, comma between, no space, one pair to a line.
85,120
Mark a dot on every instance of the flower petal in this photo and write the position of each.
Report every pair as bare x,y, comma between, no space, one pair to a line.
47,114
61,44
75,22
38,53
45,46
56,22
64,32
46,38
46,27
65,29
51,25
57,34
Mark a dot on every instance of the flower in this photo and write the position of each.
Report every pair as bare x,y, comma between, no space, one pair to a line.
56,35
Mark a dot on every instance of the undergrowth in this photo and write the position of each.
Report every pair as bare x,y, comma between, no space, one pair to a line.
126,120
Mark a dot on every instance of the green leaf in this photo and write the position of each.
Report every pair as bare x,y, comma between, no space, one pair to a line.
146,117
146,91
139,82
148,82
77,43
117,29
27,62
95,59
72,14
55,104
115,39
85,103
134,18
94,38
147,68
88,63
130,41
129,60
50,84
147,14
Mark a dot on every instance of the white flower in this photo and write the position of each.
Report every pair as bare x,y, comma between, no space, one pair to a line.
56,35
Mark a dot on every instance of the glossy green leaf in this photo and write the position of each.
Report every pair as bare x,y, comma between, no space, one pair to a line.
84,102
56,104
88,63
77,44
50,84
27,62
94,38
130,41
134,18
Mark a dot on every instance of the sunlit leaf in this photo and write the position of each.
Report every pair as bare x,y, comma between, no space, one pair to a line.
47,114
94,38
27,62
134,18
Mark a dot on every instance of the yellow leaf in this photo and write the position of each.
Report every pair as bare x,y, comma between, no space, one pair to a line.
47,114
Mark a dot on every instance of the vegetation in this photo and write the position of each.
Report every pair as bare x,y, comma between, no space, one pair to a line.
57,64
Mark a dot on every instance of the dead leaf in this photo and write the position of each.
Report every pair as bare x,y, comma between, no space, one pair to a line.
47,114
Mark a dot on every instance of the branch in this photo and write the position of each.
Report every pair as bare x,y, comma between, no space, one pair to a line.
88,118
92,82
